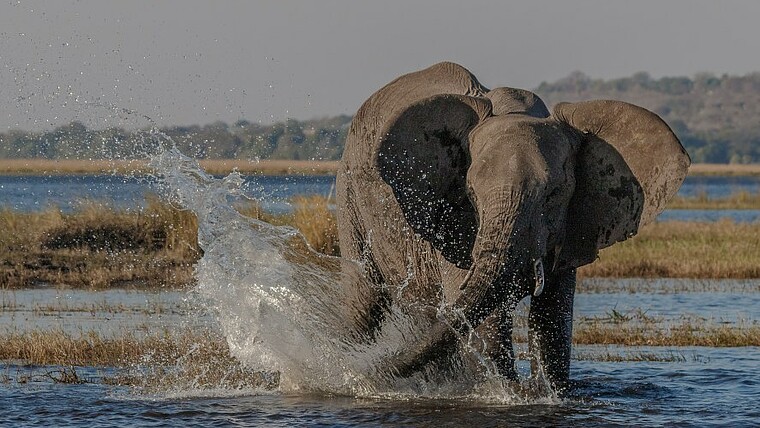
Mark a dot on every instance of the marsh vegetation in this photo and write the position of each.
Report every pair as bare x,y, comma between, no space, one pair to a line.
98,246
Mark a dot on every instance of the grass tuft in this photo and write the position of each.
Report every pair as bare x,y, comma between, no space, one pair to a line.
722,249
155,362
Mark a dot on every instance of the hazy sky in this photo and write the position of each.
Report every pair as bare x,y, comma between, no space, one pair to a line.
188,62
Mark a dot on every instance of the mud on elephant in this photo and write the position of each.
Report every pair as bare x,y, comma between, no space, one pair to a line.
452,193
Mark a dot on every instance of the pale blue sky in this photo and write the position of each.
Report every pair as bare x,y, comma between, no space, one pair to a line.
187,62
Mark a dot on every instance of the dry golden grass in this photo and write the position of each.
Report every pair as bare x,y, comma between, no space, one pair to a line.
69,166
317,222
741,200
638,328
687,333
267,167
214,166
270,166
724,169
163,360
98,247
722,249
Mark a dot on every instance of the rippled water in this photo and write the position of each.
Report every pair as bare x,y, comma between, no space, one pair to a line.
67,192
714,387
30,193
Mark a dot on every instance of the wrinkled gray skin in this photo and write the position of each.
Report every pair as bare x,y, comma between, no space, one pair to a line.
450,191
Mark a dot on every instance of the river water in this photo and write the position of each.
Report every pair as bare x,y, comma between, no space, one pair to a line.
32,193
719,388
701,387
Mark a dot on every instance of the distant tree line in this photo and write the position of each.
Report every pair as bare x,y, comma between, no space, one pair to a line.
318,139
717,119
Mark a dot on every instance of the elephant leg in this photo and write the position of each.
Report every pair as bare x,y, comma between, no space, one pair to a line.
496,332
551,328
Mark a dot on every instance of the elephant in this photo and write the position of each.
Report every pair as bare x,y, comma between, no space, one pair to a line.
451,193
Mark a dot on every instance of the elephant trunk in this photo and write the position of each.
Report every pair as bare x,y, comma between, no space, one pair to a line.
506,245
501,254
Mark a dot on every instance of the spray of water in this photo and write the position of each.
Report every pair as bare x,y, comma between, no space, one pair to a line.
285,308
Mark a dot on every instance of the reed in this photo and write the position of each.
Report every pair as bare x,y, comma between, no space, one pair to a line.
158,361
722,249
266,167
140,166
713,169
99,246
741,200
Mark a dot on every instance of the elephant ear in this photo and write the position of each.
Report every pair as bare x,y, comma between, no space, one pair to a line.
628,167
424,157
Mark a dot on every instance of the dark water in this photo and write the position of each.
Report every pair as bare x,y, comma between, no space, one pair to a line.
31,193
713,387
703,386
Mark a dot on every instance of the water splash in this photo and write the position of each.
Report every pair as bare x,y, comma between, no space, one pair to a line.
285,308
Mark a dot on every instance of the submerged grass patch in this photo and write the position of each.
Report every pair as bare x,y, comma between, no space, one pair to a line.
686,333
200,359
158,361
671,356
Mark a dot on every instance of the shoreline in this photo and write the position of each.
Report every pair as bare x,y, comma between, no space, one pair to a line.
62,167
55,167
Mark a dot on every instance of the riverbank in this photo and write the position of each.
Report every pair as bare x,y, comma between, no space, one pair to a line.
214,166
101,247
260,167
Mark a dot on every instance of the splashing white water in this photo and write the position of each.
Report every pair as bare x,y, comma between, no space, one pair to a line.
283,307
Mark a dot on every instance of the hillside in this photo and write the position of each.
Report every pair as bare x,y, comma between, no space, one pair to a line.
716,118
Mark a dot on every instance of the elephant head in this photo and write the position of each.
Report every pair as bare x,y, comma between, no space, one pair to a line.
505,189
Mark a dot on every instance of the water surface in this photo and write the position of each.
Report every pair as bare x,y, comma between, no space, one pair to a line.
33,193
714,387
